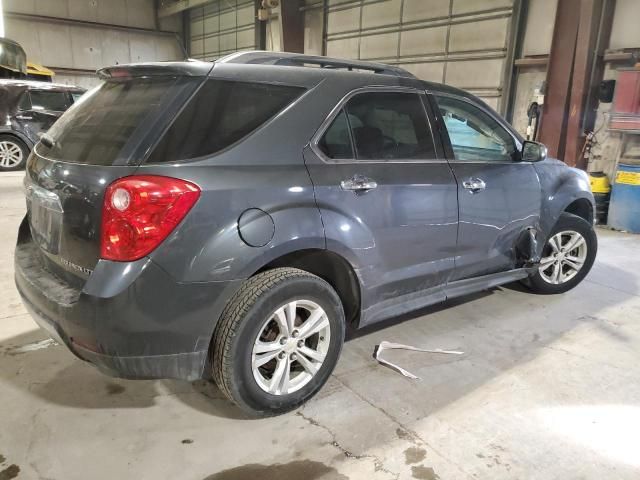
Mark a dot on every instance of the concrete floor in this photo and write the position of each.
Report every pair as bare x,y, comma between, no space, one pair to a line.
548,388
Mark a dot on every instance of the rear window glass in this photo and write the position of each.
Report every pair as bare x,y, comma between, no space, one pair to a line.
49,101
221,113
25,102
99,126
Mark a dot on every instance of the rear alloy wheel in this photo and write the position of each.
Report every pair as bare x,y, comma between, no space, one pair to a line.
291,347
13,153
277,341
567,256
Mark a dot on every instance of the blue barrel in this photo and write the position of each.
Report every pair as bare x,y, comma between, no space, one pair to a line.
624,207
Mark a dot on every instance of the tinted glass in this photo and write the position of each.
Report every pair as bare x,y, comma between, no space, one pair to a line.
51,101
99,125
389,125
76,96
474,134
24,103
336,142
221,113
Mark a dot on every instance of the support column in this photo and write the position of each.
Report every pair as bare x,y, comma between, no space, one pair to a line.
596,19
292,24
559,71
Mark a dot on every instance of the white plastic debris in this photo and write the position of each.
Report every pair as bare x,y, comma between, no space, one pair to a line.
384,345
32,347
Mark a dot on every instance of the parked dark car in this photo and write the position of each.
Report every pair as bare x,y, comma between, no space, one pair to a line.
27,109
227,220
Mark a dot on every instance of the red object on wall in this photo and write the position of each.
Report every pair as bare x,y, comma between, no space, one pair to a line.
626,103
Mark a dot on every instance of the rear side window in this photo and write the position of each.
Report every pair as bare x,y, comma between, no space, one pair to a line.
336,142
49,101
383,126
103,121
220,114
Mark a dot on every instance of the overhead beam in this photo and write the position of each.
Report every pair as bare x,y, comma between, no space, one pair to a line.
85,23
171,7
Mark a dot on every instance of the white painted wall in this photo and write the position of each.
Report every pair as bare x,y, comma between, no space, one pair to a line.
88,47
457,42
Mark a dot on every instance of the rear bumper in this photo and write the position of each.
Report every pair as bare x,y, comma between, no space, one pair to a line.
150,326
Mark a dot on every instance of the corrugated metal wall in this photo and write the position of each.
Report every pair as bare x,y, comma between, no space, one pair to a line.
55,33
458,42
222,27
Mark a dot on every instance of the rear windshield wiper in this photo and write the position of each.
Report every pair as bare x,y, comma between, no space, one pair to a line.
47,141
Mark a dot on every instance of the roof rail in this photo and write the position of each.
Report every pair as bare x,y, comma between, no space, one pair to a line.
300,60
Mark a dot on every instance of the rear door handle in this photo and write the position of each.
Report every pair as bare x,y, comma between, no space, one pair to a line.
474,185
358,184
24,117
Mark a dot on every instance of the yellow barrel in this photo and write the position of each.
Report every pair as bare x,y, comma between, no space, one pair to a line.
599,182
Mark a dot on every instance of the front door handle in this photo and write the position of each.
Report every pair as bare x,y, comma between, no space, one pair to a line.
474,185
24,117
358,183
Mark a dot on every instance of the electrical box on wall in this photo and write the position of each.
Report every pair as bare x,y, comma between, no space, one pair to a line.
625,114
605,92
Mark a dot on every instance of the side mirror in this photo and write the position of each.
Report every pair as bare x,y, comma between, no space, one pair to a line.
533,151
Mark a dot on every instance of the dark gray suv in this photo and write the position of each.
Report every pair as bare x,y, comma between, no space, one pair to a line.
227,220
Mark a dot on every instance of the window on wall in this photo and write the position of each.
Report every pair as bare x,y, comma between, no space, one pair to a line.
475,135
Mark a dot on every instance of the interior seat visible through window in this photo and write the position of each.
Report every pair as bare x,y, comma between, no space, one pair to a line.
383,126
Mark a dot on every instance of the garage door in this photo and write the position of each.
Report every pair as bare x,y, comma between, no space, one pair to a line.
458,42
222,27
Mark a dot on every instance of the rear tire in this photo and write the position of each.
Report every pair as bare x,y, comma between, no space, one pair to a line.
13,153
277,341
567,256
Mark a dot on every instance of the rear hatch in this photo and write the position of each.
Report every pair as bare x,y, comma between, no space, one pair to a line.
103,137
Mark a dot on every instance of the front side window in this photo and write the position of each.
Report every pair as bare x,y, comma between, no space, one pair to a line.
220,114
474,134
49,101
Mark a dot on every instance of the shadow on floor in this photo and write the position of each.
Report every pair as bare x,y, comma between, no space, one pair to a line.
56,376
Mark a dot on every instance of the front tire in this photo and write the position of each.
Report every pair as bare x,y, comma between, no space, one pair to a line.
13,153
567,256
277,341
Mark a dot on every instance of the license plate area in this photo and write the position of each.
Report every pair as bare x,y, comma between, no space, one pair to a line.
45,217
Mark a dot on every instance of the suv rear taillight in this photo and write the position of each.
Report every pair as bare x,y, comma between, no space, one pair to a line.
140,211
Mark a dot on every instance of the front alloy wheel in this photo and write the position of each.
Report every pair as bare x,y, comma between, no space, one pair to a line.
567,256
291,347
563,257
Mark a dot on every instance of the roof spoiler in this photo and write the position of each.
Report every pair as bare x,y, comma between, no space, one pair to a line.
190,68
299,60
